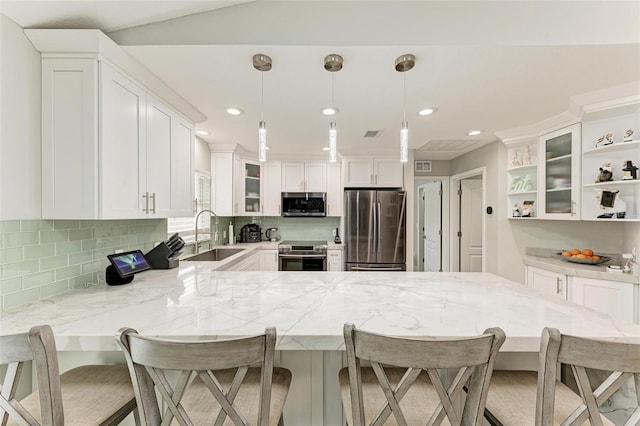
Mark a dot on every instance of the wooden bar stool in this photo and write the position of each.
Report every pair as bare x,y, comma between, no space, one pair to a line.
528,398
416,393
214,380
86,395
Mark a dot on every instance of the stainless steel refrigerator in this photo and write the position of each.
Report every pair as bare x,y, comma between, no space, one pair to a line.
375,222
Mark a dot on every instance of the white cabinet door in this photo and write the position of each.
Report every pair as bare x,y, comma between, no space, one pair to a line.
559,177
251,201
272,188
611,297
334,190
122,147
334,260
388,172
358,173
237,185
252,263
547,281
182,166
222,184
315,177
292,177
268,260
70,180
158,159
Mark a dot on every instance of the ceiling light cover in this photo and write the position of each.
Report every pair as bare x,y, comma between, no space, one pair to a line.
202,132
234,111
474,132
404,142
426,111
262,141
330,110
332,63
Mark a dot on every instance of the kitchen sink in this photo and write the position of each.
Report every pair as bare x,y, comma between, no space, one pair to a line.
214,255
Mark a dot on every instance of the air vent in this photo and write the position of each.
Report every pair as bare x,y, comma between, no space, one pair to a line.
372,133
422,166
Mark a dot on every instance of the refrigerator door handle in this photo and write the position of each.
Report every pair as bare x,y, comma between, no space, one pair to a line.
362,268
378,236
375,229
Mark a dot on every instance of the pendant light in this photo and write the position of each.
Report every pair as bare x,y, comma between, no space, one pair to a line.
262,63
403,64
333,63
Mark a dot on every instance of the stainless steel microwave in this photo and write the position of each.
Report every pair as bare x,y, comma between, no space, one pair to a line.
304,204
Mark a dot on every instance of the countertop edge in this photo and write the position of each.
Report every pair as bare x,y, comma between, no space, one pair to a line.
577,270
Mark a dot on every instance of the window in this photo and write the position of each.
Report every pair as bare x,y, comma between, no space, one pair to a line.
186,225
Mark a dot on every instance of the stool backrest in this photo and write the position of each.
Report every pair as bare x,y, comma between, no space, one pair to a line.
37,345
580,353
473,357
149,359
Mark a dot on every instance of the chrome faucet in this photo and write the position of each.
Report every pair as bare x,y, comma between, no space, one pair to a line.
215,234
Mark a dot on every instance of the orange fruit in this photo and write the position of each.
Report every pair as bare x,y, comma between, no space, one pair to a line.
575,251
595,257
587,252
580,256
566,254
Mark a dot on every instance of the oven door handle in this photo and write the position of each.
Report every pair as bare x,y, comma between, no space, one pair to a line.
362,268
305,256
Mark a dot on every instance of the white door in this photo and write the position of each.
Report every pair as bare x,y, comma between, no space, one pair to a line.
388,172
272,188
182,165
358,173
470,225
292,177
547,281
315,177
432,231
158,160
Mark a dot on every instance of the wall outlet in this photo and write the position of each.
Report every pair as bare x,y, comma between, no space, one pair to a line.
116,251
333,232
224,235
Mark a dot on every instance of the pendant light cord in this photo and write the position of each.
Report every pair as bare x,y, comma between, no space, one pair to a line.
404,96
261,95
332,87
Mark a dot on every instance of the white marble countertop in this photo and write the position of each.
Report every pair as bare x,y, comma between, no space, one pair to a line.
308,309
542,258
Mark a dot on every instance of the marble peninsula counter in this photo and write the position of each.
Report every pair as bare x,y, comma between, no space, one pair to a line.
308,309
198,300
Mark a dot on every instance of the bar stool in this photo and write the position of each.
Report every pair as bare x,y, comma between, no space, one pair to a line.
86,395
529,398
214,379
416,393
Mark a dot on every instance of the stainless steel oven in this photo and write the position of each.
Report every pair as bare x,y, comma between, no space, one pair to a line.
302,256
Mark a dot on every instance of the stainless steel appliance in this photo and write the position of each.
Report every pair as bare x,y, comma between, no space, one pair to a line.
250,233
375,230
270,233
302,256
304,204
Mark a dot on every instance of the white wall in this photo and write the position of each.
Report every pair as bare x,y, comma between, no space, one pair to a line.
631,237
20,155
488,156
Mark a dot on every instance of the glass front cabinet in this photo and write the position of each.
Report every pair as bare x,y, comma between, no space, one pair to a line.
252,185
559,178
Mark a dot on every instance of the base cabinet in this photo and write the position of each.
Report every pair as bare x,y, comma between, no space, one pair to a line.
334,260
268,260
611,297
547,281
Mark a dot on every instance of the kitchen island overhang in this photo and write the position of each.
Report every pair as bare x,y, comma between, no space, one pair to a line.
308,310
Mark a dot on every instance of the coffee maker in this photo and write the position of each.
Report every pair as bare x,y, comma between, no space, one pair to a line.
251,233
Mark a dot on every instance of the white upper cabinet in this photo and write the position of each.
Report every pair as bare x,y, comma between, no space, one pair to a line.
272,188
559,174
334,190
223,183
252,188
109,148
304,177
379,172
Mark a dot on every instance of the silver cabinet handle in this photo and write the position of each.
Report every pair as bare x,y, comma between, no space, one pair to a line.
573,208
153,198
302,256
558,285
376,179
361,268
371,179
146,202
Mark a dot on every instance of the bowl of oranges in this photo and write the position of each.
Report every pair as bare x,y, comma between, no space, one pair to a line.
586,256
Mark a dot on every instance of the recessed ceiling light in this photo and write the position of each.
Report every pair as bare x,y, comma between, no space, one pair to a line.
427,111
266,147
330,110
234,111
202,132
325,148
474,132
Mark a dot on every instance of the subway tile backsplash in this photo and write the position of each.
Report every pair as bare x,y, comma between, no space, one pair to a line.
41,258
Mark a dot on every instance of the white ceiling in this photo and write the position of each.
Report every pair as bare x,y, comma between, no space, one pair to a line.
484,65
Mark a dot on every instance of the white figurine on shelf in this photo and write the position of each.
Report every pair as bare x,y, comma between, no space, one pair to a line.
526,156
515,212
515,162
628,136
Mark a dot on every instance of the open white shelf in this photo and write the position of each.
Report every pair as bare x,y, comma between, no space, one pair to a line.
614,147
522,168
562,157
613,183
523,193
